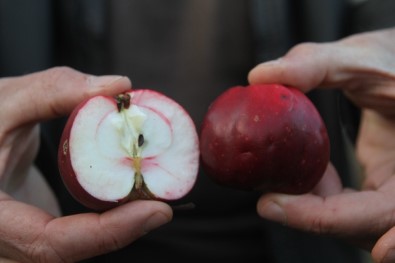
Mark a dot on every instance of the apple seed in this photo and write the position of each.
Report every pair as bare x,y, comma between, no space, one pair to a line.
140,140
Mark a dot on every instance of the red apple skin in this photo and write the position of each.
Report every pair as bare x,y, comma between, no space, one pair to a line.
67,172
264,137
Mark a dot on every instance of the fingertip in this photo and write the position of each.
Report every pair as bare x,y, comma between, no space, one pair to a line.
384,250
108,84
162,208
153,214
144,208
266,72
283,71
55,92
156,220
272,211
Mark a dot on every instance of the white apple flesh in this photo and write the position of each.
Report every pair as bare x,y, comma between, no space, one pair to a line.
139,145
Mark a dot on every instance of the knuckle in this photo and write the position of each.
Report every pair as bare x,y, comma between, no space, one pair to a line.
56,75
304,49
320,226
39,248
109,242
60,70
37,251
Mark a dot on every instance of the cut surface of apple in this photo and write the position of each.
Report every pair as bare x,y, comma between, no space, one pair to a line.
139,145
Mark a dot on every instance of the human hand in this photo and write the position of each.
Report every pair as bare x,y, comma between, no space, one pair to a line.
28,233
363,66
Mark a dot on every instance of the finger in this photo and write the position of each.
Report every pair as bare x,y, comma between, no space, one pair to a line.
342,215
52,93
83,236
330,183
304,66
353,63
384,249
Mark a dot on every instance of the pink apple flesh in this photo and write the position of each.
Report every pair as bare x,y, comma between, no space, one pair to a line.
114,150
264,137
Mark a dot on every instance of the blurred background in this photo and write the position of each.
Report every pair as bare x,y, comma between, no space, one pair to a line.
192,50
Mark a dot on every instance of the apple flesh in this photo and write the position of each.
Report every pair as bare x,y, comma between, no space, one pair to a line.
264,137
138,145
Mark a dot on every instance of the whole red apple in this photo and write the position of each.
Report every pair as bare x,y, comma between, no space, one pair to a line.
137,145
265,137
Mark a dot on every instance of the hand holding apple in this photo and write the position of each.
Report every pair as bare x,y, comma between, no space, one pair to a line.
28,233
363,66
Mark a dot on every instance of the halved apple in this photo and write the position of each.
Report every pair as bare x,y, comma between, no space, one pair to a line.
138,145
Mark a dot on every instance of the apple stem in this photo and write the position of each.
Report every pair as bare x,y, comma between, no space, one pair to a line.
138,177
138,181
123,101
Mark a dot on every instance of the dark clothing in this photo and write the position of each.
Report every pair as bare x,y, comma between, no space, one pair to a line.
191,51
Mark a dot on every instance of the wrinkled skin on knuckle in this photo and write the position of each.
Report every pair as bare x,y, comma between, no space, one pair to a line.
320,226
40,251
59,74
306,49
59,80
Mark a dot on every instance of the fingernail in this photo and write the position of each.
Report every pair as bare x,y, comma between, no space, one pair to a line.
389,257
273,212
103,81
155,221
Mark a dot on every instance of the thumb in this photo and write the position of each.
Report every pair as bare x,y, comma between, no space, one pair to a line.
83,236
355,63
52,93
305,66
